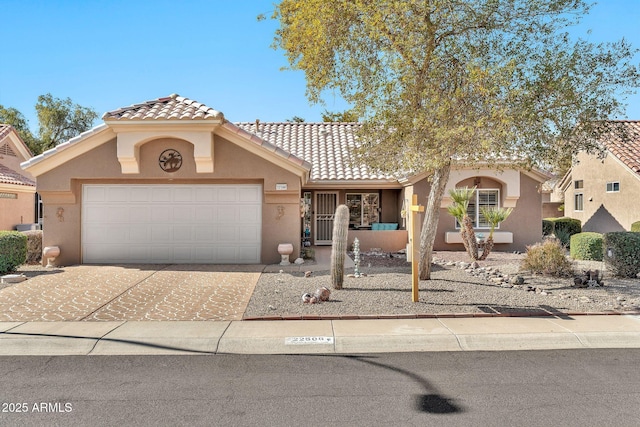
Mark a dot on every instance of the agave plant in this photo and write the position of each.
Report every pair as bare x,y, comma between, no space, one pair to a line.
458,210
494,216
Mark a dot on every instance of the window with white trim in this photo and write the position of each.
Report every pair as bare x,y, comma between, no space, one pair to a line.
482,198
578,184
363,209
613,187
578,199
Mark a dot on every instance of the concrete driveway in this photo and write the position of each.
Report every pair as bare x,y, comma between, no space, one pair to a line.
131,292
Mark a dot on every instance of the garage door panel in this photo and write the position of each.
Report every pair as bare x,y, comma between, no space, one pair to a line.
116,214
161,194
95,215
204,214
249,234
172,223
160,215
94,194
248,194
227,234
140,194
116,194
161,234
250,214
183,195
139,214
182,213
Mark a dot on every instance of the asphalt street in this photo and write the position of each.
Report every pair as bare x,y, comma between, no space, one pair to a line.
569,387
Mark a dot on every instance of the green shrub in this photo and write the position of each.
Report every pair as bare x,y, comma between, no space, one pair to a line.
13,250
621,251
34,246
548,258
586,246
565,227
635,227
547,226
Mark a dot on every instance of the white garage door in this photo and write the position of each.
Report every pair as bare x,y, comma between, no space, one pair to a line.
202,224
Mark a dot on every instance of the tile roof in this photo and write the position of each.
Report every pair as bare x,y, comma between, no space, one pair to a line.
4,130
627,148
327,146
172,107
9,176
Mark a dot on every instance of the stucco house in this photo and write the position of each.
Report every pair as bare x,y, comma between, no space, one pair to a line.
17,187
603,193
172,180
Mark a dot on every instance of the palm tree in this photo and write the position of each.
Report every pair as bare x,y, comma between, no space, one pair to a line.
458,210
494,216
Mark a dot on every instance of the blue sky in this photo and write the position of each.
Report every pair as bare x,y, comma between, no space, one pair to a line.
110,54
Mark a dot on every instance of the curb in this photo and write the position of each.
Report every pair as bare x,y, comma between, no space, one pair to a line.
442,315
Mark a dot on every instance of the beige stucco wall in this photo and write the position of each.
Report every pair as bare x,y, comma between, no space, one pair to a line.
62,188
525,222
16,211
604,212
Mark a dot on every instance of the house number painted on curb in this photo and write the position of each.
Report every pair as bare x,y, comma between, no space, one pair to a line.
308,340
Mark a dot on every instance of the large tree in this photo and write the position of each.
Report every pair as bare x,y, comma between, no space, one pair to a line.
61,120
13,117
441,81
58,120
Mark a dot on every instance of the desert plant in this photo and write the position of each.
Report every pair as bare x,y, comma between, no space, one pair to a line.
339,248
494,216
458,210
13,250
34,246
565,227
586,246
547,226
621,251
547,258
635,227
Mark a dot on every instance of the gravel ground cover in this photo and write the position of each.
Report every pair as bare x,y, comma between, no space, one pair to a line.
386,291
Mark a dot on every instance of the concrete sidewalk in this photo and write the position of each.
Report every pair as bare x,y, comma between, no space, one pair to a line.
319,336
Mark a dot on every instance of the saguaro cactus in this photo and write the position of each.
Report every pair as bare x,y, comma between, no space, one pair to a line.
339,248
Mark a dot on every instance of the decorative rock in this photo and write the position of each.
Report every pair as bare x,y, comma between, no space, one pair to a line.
475,264
13,278
517,280
298,261
322,294
307,274
497,280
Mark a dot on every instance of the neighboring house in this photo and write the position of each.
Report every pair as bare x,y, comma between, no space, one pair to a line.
552,199
603,193
171,180
17,188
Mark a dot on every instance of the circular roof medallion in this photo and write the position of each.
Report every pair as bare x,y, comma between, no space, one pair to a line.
170,160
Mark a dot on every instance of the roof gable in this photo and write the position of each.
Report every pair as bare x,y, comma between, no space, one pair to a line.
12,146
11,143
172,107
172,116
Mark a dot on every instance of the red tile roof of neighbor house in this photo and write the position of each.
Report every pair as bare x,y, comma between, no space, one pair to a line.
9,176
627,148
4,130
172,107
